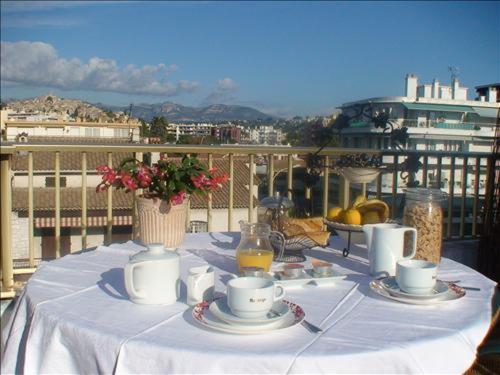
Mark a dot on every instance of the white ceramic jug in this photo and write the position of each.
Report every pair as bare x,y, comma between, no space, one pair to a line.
152,276
200,284
385,247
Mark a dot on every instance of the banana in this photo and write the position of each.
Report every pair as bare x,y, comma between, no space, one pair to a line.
375,205
360,199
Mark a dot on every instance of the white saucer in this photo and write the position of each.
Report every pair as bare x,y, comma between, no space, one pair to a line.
390,284
221,310
202,315
454,292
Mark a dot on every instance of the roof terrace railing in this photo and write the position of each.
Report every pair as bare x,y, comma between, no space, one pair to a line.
463,206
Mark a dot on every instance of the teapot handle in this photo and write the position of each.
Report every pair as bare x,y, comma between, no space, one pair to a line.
129,281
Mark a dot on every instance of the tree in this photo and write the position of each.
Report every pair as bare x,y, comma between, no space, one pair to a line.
159,128
144,130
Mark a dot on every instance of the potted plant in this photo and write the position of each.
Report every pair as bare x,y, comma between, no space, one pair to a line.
167,186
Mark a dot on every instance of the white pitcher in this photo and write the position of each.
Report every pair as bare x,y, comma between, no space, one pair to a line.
200,284
385,247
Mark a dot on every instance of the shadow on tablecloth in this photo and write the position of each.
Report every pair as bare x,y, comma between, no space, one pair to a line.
113,284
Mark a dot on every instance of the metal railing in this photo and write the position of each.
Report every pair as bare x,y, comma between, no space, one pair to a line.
469,164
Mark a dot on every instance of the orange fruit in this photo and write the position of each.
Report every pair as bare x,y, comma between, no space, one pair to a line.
335,214
352,217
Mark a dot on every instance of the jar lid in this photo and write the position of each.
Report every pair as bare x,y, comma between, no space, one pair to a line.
155,251
276,201
425,194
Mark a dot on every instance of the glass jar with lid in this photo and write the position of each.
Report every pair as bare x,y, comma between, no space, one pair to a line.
254,249
423,212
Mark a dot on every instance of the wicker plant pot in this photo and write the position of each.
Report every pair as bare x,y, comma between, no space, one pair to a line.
161,222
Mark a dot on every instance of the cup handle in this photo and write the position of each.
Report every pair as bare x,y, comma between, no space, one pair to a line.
281,294
414,247
129,281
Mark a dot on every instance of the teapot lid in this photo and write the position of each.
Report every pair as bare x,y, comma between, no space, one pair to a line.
276,201
155,251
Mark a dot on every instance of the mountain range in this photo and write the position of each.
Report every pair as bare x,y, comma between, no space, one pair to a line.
179,113
171,111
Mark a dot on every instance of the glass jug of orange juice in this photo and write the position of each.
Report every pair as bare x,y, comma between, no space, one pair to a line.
254,249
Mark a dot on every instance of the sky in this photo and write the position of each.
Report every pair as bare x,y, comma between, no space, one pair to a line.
284,58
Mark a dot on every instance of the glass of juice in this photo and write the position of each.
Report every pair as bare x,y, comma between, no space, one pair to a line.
254,249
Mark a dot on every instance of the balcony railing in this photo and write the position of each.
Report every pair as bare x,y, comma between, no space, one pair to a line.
462,219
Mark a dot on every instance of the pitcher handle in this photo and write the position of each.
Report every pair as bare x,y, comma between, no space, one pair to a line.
414,247
281,240
129,281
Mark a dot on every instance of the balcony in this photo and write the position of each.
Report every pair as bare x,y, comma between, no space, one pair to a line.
78,215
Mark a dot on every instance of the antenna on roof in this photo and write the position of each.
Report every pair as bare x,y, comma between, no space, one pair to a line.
130,112
454,71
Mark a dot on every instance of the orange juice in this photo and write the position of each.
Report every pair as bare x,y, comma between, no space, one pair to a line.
254,258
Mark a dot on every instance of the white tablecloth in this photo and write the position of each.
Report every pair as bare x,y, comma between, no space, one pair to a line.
74,316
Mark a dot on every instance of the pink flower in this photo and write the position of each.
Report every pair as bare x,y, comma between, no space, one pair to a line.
178,198
144,177
108,174
217,181
128,182
200,181
157,171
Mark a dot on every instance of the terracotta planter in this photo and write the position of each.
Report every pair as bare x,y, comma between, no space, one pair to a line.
161,222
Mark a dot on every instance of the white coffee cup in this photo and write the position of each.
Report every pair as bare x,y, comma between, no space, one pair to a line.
200,284
416,276
252,297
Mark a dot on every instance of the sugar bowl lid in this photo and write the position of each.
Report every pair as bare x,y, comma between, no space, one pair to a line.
155,251
276,201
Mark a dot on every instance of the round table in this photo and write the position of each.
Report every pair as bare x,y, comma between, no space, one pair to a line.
74,316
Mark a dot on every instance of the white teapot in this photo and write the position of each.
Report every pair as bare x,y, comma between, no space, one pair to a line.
152,276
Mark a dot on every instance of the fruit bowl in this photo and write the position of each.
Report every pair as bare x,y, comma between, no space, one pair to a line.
357,235
359,175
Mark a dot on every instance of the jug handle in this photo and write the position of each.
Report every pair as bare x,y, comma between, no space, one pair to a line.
129,281
281,240
414,247
198,277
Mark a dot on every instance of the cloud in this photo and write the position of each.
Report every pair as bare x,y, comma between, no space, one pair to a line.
40,6
226,84
32,22
38,64
223,92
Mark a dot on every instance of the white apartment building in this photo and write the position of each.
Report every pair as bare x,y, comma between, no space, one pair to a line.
47,127
198,129
266,134
438,118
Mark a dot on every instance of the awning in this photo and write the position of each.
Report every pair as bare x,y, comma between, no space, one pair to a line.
76,222
486,112
438,107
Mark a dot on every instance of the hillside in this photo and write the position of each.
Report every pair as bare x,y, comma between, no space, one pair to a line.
179,113
52,104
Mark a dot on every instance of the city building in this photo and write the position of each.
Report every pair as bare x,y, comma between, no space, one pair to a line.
195,129
228,133
32,126
266,134
438,118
